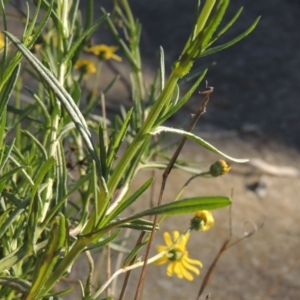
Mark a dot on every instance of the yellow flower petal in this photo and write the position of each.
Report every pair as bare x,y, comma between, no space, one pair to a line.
2,40
161,248
161,260
184,240
168,239
186,274
189,267
178,270
176,236
170,269
104,52
193,261
203,220
177,256
87,64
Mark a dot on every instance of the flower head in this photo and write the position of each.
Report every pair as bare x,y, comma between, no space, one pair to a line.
219,168
2,40
177,256
203,220
104,52
87,65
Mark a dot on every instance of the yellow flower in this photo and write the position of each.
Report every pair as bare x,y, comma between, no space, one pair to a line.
219,168
87,65
104,52
203,220
2,40
180,263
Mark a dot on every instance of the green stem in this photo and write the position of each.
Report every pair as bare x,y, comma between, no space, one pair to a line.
66,263
139,139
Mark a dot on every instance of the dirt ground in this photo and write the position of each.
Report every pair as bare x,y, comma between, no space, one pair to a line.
253,113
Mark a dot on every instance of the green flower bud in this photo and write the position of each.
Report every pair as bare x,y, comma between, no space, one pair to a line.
219,168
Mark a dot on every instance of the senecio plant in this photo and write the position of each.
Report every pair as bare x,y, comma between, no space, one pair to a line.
66,171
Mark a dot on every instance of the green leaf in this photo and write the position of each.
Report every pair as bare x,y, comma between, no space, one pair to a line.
134,252
204,15
18,255
2,136
5,153
117,140
172,110
188,205
196,139
111,84
121,43
49,258
162,68
9,174
12,216
103,242
27,176
42,171
214,22
71,189
62,173
184,206
6,92
35,141
81,38
232,42
63,96
20,285
141,225
103,160
3,216
9,68
227,26
120,207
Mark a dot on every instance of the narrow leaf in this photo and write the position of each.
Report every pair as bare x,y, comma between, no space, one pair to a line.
103,242
80,39
49,258
12,216
8,89
113,149
196,139
63,96
42,171
188,206
127,202
20,285
11,173
162,68
174,208
140,224
232,42
182,101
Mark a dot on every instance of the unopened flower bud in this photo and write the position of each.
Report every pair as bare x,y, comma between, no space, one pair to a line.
219,168
203,220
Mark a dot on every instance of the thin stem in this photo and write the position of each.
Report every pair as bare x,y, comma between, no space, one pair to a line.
201,110
126,279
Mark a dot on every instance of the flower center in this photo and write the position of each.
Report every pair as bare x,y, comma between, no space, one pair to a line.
174,255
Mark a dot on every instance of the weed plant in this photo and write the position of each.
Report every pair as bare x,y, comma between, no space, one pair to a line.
66,169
